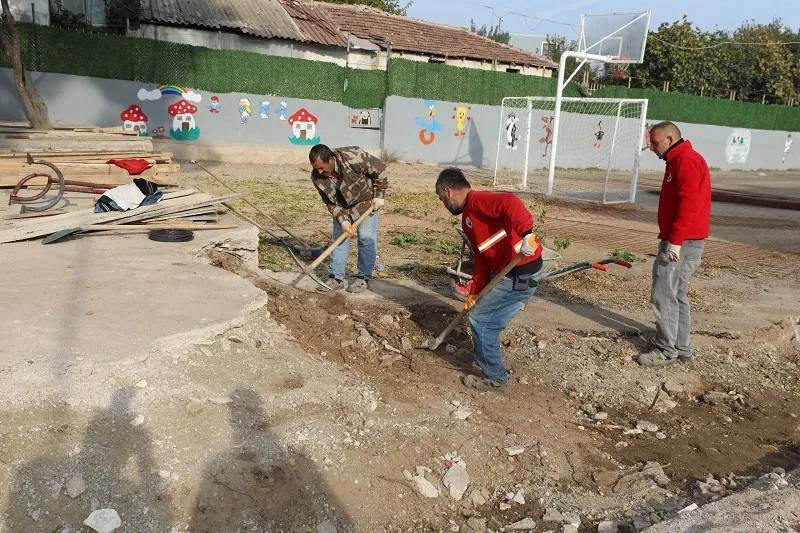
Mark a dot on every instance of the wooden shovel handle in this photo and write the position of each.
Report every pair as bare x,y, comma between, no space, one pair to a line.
329,250
139,227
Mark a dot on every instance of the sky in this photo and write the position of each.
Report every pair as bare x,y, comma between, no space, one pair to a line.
707,14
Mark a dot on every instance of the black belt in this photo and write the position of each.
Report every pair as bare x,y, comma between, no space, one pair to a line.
522,282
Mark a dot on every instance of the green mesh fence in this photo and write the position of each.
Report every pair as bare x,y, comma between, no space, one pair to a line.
414,79
699,110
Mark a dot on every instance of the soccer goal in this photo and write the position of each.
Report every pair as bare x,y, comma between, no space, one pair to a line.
600,144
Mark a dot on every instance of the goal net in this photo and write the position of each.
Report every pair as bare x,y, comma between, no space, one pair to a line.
599,146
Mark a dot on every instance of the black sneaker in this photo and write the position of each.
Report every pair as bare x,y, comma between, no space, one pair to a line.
359,285
334,284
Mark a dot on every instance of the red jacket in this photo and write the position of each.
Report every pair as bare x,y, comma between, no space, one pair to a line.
494,223
684,207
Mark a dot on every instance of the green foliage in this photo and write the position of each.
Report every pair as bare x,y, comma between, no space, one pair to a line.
695,61
560,243
625,255
405,239
493,32
122,13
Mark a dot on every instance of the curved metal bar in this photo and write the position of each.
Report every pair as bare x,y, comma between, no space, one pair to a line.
60,193
22,184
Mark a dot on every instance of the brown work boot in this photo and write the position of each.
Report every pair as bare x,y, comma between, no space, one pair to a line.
485,384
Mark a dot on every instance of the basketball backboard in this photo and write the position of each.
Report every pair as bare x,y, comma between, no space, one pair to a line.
622,36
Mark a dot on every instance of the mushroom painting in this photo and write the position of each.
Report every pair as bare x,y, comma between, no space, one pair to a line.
134,119
183,126
304,126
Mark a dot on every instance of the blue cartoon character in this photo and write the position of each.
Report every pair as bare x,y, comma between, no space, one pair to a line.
426,134
245,109
264,109
214,106
282,111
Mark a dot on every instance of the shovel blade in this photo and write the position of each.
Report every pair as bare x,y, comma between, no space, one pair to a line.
57,236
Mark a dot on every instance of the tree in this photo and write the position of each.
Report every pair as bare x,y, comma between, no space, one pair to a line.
32,102
390,6
554,46
494,33
121,14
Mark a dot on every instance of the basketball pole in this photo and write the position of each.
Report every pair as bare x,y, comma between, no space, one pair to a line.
559,95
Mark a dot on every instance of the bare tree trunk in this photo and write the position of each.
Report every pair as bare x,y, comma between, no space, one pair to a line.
32,102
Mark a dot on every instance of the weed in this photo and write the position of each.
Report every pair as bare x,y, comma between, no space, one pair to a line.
560,243
445,247
625,255
390,156
405,239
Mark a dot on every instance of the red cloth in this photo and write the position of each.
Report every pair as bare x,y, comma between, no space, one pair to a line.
133,166
684,207
494,223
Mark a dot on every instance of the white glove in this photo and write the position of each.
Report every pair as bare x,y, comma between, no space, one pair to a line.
673,252
377,203
530,244
348,229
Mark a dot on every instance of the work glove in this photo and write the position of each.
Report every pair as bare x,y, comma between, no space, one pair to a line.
377,203
529,244
472,299
673,252
348,229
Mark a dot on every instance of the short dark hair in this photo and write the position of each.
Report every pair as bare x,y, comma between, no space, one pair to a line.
321,152
668,127
451,177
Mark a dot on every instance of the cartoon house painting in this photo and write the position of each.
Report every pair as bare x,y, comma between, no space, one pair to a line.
304,126
134,119
183,126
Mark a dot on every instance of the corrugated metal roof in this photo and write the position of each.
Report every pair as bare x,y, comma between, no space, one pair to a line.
315,25
262,18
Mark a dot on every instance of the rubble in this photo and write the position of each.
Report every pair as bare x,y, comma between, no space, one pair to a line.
456,480
103,520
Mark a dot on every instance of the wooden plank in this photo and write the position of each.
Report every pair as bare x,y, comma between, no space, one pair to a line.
10,181
74,167
36,214
88,155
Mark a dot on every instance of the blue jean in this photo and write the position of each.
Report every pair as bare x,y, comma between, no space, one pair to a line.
367,248
670,301
490,316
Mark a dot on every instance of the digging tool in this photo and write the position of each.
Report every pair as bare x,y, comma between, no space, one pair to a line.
329,250
57,236
305,248
433,343
281,242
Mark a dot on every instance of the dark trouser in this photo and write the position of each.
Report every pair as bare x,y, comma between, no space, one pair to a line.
669,298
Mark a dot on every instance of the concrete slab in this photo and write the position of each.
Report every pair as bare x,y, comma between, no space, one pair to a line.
113,297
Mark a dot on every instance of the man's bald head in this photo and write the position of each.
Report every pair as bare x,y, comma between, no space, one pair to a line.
662,136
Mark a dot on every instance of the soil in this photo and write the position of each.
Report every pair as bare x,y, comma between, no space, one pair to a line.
333,409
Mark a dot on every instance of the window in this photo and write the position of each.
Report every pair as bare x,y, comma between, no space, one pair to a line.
513,70
436,60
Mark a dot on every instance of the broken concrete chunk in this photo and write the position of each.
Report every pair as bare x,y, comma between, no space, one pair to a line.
569,528
644,425
76,486
222,400
607,526
504,506
103,520
519,497
477,498
461,414
600,415
456,479
138,421
425,487
553,516
515,450
195,406
572,518
526,524
141,384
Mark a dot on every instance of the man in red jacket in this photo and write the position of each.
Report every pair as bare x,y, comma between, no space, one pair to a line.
498,226
684,212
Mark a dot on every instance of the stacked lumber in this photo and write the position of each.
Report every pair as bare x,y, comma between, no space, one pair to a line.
81,155
182,205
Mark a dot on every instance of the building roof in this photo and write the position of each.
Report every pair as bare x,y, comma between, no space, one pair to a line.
407,34
262,18
314,23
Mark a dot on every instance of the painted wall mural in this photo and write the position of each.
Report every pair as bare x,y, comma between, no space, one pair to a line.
304,127
427,134
461,119
787,147
282,111
244,109
738,146
183,124
134,119
159,133
169,90
598,136
214,106
512,136
264,106
547,140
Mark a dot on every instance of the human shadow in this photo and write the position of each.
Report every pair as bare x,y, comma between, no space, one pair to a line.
116,465
259,484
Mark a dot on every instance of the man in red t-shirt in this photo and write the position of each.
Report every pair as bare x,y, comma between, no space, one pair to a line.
498,226
684,213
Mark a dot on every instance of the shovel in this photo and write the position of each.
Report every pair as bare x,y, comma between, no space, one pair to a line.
339,240
57,236
433,343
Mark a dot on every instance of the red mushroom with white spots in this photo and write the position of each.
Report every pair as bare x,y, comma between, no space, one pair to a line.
303,124
134,119
183,125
